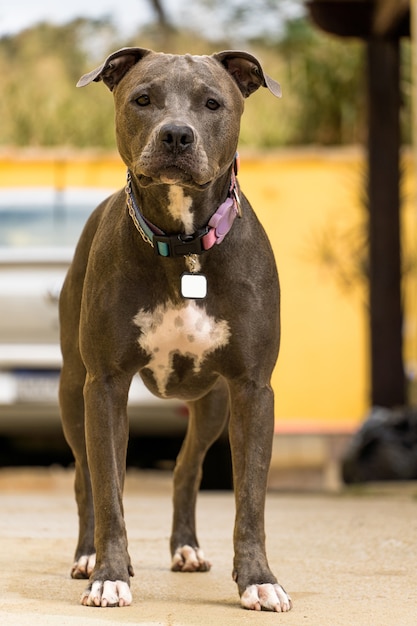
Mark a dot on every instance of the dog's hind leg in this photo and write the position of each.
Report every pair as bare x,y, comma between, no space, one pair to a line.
207,420
72,415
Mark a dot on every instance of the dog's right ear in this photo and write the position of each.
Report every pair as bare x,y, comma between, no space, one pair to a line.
114,67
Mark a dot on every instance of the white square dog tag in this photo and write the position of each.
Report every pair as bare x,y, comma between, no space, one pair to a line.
193,285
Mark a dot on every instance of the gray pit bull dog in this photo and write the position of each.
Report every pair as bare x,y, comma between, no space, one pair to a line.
174,278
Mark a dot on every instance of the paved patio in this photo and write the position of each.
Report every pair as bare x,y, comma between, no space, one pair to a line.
346,558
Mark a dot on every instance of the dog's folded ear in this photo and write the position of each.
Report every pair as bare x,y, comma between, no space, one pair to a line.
247,72
114,67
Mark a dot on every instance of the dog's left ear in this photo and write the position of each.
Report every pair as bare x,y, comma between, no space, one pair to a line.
247,72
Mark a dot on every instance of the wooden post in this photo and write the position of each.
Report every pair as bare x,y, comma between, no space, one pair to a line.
387,368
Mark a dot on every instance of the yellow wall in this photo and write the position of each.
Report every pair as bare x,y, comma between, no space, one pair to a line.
321,377
321,380
61,168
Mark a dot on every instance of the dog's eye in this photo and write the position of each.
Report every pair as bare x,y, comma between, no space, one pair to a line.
143,100
212,104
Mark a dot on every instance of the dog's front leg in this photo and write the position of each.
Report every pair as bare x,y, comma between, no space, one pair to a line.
251,435
106,438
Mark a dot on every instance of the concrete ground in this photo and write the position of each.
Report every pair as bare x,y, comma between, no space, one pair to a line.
346,558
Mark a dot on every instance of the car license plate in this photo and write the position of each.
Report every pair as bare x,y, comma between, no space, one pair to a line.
37,386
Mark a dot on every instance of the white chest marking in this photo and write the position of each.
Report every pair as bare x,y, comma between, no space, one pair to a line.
179,206
183,329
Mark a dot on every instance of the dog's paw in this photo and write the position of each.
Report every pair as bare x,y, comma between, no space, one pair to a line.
107,593
268,597
188,559
84,566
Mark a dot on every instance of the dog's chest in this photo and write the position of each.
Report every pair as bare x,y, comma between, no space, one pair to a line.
183,329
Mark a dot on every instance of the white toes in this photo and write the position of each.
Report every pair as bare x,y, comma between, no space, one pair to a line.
116,593
188,559
107,593
284,598
84,566
250,599
92,597
270,597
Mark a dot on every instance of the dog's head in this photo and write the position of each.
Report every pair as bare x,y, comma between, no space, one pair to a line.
178,116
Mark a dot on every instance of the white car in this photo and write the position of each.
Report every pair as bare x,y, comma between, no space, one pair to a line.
38,232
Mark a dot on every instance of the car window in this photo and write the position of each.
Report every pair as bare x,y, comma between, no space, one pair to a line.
44,217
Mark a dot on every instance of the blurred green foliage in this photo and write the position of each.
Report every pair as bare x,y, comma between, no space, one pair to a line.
322,79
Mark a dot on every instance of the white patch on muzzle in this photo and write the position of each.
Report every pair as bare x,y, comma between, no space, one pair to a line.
183,329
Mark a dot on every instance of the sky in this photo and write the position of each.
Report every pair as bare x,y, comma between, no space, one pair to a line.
19,14
128,15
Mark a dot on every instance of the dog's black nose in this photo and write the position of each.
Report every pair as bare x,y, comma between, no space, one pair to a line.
176,138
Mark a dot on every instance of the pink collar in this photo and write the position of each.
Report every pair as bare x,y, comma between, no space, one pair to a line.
179,245
222,221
